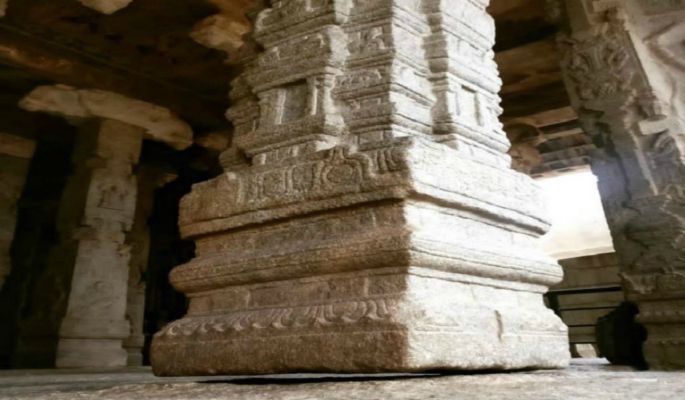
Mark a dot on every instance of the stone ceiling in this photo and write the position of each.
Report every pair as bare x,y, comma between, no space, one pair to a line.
145,51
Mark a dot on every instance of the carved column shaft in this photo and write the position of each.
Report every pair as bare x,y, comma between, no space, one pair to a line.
97,212
368,219
95,325
625,73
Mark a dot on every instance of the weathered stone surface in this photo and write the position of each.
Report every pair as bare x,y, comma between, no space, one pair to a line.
16,146
158,122
368,219
106,6
625,73
592,379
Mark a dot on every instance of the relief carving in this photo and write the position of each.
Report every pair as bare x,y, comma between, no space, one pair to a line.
369,40
285,318
602,65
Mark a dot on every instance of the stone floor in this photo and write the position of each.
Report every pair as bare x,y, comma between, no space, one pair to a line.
588,379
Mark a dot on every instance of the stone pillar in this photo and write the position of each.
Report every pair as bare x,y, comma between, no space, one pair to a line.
625,70
108,146
15,157
138,239
368,219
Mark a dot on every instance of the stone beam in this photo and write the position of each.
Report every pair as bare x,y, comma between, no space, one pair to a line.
106,6
625,73
530,66
158,122
368,219
54,62
531,78
546,97
548,117
220,32
16,146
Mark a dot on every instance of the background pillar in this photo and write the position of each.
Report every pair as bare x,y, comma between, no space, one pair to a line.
97,213
94,326
625,70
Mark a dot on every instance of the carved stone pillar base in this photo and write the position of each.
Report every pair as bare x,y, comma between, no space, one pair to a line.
458,329
404,266
661,301
665,345
92,342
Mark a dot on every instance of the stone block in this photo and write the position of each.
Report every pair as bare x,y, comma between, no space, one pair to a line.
389,274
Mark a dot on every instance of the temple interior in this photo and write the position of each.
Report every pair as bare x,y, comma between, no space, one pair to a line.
421,189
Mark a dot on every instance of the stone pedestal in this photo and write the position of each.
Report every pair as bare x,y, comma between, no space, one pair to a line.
625,71
15,158
97,213
368,219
